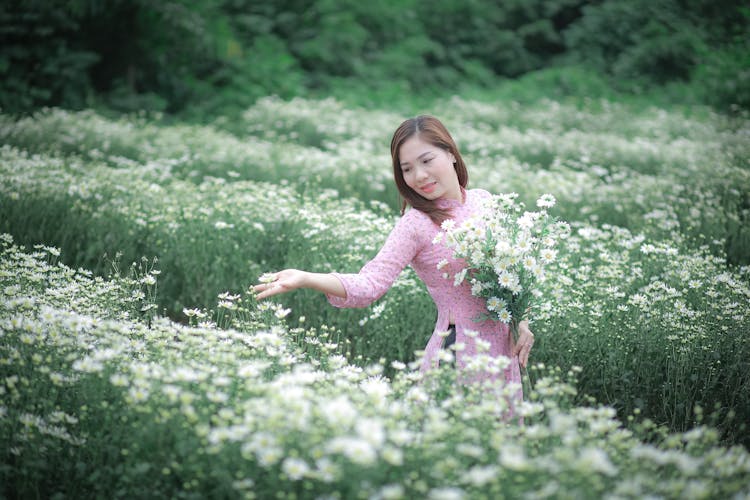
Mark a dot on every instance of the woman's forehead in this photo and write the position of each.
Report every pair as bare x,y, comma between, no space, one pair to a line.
414,147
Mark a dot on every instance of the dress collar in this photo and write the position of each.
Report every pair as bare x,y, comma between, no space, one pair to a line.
448,203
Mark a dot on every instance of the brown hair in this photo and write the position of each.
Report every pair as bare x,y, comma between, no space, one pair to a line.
431,130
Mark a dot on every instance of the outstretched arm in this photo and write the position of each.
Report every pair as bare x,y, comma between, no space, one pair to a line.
360,289
292,279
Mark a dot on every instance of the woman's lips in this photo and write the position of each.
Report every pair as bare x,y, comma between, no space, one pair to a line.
428,188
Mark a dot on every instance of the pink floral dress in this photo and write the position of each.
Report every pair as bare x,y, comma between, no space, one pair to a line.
411,243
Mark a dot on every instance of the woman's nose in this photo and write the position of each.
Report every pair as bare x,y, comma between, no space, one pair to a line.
420,173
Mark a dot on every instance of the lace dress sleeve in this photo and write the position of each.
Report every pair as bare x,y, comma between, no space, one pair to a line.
377,276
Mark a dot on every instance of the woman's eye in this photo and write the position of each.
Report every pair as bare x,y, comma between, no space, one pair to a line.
428,160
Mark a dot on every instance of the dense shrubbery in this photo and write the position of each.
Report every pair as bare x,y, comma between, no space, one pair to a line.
98,403
207,58
645,299
646,171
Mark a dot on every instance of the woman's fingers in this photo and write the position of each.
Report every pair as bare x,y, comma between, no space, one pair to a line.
270,285
523,357
523,347
267,289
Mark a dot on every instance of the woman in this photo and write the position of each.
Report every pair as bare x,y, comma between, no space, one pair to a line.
431,177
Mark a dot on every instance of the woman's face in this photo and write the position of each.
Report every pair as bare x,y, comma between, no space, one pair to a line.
428,170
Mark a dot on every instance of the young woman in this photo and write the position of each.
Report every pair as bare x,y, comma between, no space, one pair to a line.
431,177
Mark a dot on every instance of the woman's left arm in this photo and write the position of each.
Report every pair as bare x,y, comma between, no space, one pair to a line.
525,341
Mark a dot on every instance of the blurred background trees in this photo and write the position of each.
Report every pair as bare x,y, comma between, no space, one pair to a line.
213,56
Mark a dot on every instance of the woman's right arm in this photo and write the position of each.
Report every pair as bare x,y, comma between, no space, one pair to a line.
292,279
358,289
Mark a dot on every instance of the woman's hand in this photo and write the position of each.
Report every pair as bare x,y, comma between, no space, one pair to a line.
523,346
280,282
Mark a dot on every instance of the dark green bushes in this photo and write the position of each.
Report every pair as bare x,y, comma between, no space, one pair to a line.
204,58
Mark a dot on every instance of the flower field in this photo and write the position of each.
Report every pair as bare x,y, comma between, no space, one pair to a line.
136,364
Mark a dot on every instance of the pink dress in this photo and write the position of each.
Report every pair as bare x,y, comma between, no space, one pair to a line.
411,243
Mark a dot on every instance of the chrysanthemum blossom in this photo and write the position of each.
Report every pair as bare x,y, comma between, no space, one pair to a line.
546,201
448,224
504,316
547,255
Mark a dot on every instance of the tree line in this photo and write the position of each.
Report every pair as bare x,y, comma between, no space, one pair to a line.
167,55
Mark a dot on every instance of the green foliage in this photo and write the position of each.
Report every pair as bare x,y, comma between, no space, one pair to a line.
97,403
306,184
642,42
205,59
41,60
509,38
646,44
723,74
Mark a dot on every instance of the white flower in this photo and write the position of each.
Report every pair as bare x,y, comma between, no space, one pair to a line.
502,247
138,394
479,475
148,280
526,221
523,245
398,365
442,263
547,255
339,412
458,346
227,304
371,430
501,266
513,457
648,248
482,345
119,380
494,303
357,450
448,224
504,316
193,313
295,468
326,470
477,257
377,388
447,493
528,262
445,356
88,365
546,201
462,248
507,280
596,459
281,312
459,277
269,456
393,455
538,272
391,492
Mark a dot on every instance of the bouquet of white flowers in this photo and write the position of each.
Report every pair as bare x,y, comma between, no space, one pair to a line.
505,249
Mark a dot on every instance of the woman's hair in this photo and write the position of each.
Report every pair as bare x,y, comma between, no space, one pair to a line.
431,130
